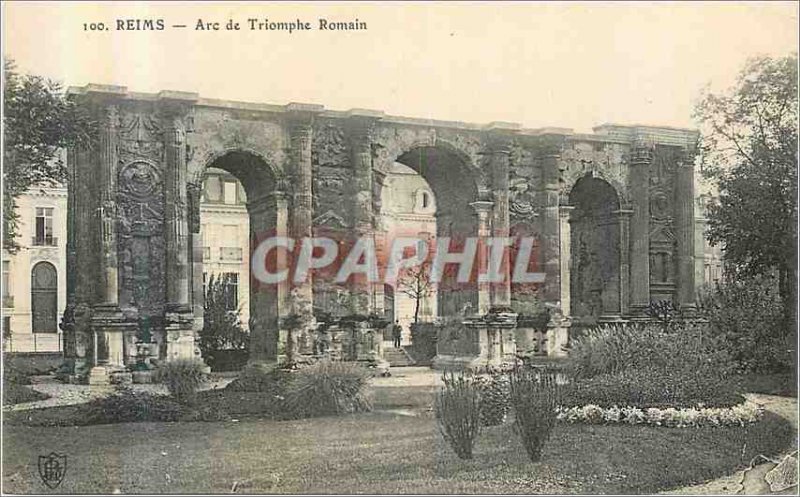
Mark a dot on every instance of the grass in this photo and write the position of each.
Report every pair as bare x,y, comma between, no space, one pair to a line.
376,452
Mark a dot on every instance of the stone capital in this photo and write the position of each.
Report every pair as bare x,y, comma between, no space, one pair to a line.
622,212
482,206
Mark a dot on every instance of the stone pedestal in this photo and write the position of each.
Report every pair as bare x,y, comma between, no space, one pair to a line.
179,334
558,336
100,376
111,328
488,340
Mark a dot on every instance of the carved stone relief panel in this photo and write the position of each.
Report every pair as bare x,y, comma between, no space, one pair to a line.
329,145
140,200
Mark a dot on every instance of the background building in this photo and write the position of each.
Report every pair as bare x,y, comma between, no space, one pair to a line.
34,278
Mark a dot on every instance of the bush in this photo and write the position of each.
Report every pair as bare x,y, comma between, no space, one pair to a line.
127,406
182,377
494,398
222,331
535,397
652,388
457,407
262,378
13,374
746,319
327,388
611,349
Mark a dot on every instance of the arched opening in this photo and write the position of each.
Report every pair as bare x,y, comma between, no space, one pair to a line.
44,298
408,209
594,251
450,189
238,208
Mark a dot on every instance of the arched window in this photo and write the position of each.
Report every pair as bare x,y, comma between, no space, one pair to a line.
44,298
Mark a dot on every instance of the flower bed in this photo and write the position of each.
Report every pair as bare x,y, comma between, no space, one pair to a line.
740,415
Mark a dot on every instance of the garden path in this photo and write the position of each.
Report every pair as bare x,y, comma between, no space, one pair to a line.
785,407
65,394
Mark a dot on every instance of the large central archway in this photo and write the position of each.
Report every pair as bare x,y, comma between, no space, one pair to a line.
454,186
256,187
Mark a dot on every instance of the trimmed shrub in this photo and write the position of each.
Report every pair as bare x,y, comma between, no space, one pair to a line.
327,388
182,377
653,388
494,398
535,397
458,414
611,349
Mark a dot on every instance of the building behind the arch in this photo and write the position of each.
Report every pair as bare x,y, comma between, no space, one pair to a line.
135,255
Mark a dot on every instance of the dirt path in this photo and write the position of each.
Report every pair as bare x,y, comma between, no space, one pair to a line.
63,394
786,407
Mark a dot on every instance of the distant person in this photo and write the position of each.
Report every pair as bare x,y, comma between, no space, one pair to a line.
397,333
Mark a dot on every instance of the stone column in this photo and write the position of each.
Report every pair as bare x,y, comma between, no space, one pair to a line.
498,151
107,152
564,212
623,222
176,231
550,228
484,209
197,297
179,317
269,305
360,126
299,341
639,178
684,224
108,322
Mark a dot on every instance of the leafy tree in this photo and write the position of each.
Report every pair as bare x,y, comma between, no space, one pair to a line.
416,283
222,329
749,147
39,121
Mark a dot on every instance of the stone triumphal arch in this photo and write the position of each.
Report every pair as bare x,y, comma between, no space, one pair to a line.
612,214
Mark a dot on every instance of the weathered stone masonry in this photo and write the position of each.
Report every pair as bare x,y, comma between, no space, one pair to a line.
612,213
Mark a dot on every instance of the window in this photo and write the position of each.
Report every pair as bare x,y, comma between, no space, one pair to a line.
230,192
6,278
425,200
44,298
231,281
212,188
8,300
44,226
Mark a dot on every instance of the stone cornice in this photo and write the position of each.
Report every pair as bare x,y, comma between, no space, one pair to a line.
610,133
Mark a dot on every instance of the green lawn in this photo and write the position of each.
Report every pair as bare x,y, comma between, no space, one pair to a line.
375,453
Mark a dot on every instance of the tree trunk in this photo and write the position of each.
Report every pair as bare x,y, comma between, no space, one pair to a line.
416,309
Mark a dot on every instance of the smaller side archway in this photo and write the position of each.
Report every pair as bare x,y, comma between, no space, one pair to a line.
595,289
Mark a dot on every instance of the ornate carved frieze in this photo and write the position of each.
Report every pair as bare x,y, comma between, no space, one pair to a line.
329,145
140,137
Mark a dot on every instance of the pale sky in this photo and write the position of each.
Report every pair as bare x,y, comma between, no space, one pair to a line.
572,65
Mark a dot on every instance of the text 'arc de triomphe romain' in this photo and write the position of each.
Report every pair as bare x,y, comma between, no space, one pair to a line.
612,214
